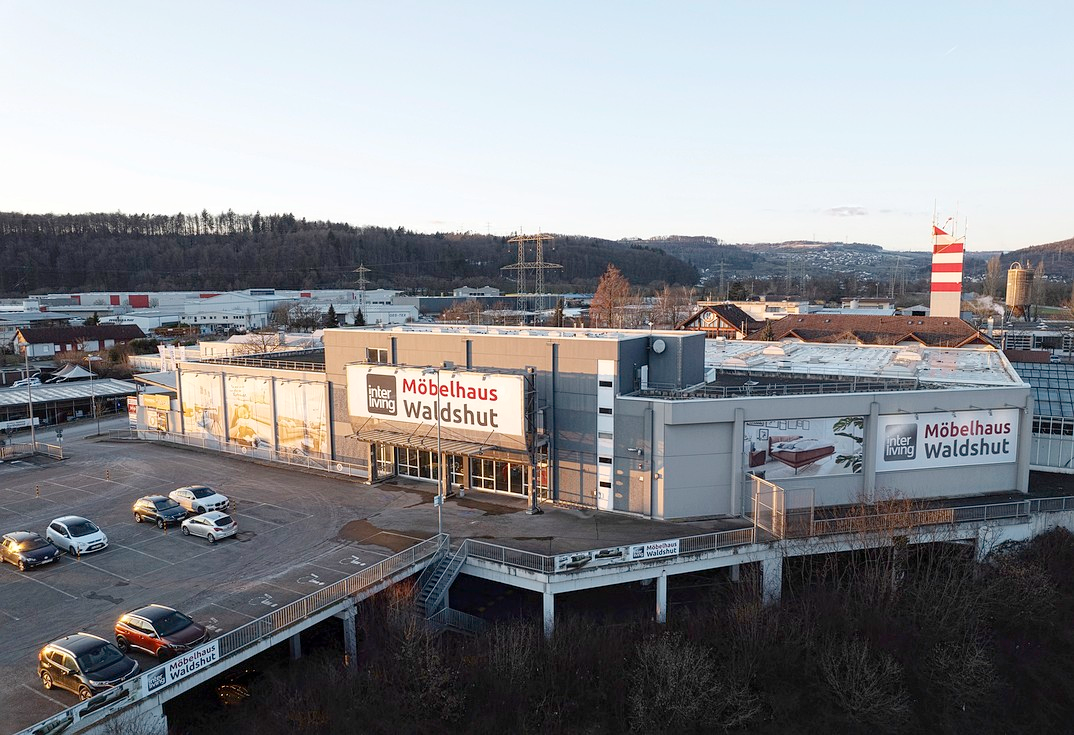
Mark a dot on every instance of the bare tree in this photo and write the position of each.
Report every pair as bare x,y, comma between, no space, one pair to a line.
466,312
993,274
611,300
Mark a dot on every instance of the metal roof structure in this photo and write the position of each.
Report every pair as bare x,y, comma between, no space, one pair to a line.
82,390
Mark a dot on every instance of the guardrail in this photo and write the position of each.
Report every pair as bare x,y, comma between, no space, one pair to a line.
234,641
291,457
8,451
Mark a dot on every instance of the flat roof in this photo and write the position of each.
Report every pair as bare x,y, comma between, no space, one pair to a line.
533,332
968,366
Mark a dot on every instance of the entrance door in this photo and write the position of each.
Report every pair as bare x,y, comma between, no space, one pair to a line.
386,466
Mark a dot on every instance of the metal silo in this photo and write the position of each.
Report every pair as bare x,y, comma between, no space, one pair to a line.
1019,286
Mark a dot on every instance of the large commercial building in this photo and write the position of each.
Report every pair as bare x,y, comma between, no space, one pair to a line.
662,424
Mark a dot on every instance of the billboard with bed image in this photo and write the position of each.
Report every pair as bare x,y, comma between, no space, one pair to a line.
814,447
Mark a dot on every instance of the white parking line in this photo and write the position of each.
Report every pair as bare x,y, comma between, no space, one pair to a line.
237,612
2,612
28,578
136,551
40,693
100,569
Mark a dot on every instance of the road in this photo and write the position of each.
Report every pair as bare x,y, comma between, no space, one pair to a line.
291,542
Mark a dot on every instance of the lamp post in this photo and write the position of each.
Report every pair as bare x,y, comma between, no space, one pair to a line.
90,359
440,495
30,399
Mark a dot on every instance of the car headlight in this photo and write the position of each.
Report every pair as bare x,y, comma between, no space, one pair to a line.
93,683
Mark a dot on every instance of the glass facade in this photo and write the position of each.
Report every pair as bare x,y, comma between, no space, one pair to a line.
485,474
1053,387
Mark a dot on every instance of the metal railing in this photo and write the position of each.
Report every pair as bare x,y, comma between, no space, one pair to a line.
292,457
511,557
655,390
8,451
459,620
276,622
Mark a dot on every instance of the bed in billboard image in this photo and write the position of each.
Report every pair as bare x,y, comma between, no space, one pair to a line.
811,447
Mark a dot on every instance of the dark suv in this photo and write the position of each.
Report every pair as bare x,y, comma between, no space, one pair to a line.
83,664
159,630
158,509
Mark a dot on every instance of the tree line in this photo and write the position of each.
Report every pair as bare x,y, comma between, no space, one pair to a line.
230,251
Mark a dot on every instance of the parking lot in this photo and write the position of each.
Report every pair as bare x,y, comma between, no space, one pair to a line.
291,541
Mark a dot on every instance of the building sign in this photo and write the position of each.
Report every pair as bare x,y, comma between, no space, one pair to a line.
948,439
456,400
132,411
786,448
654,550
180,667
159,401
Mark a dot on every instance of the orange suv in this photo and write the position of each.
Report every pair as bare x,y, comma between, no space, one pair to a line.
158,630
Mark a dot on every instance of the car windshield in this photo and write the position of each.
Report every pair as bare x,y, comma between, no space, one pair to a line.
173,622
82,528
201,492
223,521
104,655
33,543
165,504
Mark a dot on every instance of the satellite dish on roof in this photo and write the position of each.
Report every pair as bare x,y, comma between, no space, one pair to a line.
659,346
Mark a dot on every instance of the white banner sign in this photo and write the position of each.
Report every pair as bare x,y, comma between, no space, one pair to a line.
654,550
909,442
470,401
181,666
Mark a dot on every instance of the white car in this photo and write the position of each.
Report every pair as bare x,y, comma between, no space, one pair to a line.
213,525
199,499
76,535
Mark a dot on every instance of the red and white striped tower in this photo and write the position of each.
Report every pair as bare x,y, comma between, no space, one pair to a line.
947,251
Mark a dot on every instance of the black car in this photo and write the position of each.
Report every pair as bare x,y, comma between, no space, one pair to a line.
83,664
27,549
158,509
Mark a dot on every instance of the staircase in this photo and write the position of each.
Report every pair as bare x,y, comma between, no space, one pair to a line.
433,589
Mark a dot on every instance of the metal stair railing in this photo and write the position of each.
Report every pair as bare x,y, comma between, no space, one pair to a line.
458,620
431,597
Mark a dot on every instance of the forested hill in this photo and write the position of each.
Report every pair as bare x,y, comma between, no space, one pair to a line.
130,252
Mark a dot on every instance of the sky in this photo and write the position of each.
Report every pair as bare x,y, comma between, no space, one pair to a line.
746,121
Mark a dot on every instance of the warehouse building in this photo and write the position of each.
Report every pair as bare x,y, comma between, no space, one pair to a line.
661,424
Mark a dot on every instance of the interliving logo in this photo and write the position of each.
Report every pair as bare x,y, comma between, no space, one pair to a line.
900,442
156,680
380,394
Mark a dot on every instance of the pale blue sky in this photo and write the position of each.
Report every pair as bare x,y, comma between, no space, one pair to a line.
747,121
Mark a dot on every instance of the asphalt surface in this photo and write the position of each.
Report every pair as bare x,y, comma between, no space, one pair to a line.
288,546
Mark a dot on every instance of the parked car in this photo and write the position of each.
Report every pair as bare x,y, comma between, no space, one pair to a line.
76,535
27,549
84,664
213,526
159,630
158,509
199,499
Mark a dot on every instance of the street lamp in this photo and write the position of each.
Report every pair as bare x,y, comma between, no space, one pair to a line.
30,398
440,495
90,359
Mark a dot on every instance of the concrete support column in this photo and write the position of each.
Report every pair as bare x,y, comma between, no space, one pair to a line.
868,457
738,478
295,643
771,579
549,614
350,640
662,598
736,573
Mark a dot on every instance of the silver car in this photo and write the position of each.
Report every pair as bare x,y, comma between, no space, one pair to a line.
76,535
199,499
212,526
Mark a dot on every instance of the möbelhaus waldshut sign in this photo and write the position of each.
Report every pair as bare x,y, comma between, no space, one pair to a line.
927,440
462,401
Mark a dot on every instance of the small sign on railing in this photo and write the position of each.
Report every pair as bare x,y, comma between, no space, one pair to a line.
180,667
654,550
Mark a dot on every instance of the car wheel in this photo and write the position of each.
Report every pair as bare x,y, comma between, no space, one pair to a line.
137,518
198,510
46,680
122,644
212,538
84,693
72,550
160,523
186,530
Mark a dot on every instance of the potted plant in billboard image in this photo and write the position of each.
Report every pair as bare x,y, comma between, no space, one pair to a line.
852,427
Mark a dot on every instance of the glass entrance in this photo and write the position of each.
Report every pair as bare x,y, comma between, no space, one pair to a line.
385,461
